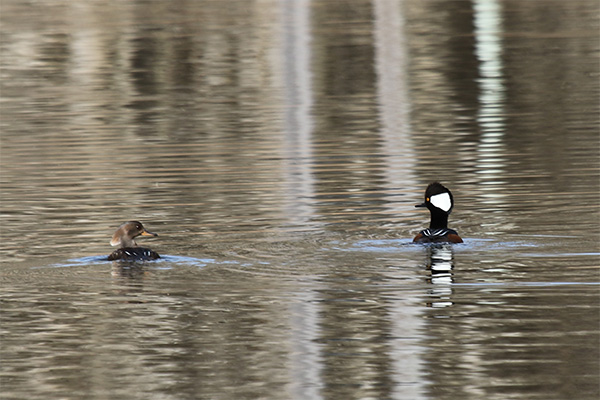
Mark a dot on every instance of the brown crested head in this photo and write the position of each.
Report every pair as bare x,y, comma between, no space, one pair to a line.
126,233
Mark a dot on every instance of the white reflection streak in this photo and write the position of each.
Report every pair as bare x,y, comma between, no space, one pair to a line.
305,359
488,48
406,320
394,106
298,103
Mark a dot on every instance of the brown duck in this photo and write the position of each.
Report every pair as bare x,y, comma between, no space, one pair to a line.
124,237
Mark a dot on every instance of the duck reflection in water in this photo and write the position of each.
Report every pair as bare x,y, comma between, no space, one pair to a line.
440,262
128,269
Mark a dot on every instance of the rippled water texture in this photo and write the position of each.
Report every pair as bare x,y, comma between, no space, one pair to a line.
278,149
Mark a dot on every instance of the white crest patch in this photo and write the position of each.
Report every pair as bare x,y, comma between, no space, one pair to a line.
441,201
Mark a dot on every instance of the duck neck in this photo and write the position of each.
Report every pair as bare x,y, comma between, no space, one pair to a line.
128,242
439,220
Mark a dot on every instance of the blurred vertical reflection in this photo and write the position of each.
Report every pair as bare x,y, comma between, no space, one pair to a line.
490,165
394,112
393,95
305,355
298,124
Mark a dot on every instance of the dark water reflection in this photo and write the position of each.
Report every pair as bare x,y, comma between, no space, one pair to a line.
278,149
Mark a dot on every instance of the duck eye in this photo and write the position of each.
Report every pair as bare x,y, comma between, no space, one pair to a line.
427,199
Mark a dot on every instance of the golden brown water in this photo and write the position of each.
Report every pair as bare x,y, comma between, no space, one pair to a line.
278,149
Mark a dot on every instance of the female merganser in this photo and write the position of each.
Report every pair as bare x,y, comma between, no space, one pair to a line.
129,251
439,201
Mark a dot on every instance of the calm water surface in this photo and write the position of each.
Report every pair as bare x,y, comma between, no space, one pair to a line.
278,149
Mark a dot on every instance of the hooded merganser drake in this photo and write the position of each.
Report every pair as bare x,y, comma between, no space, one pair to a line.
129,251
439,201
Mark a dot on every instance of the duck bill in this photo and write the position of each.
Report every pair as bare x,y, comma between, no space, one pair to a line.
148,233
422,205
